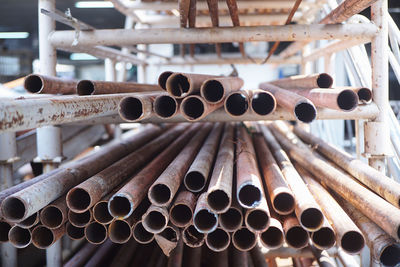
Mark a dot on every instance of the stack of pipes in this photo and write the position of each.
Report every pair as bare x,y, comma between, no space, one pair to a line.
220,186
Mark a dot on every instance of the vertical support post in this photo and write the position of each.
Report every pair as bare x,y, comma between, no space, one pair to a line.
121,74
142,68
109,70
377,132
8,154
49,138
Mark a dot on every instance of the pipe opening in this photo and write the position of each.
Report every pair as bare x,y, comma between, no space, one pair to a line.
42,237
218,240
236,104
51,217
305,112
272,237
162,79
4,230
131,108
258,220
33,83
178,85
231,220
120,206
195,181
155,221
119,231
284,203
170,234
193,108
101,213
218,200
297,237
364,94
165,106
142,235
263,103
78,199
249,195
390,256
324,238
13,209
79,219
160,194
352,242
244,239
20,237
193,237
96,233
347,100
324,80
30,221
205,221
213,91
85,87
75,232
312,218
181,215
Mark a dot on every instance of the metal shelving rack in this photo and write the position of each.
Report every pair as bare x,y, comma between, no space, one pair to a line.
375,136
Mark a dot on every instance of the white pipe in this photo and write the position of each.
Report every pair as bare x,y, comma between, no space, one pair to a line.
123,37
395,65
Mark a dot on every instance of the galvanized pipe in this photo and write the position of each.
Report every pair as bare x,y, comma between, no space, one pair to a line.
19,237
137,107
272,237
163,190
180,85
243,239
96,233
295,235
73,232
192,237
169,240
89,87
262,102
42,84
55,214
218,240
195,108
181,211
80,219
316,80
204,219
236,103
307,210
43,237
219,192
214,90
303,109
165,106
140,234
198,173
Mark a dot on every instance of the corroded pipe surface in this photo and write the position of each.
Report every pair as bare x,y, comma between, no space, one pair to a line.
73,232
262,102
140,234
257,219
216,89
272,237
232,219
30,221
162,79
192,237
181,85
96,233
137,107
243,239
55,214
317,80
43,237
165,106
295,235
236,103
88,87
181,211
324,238
218,240
41,84
155,219
19,237
195,108
204,219
169,239
80,219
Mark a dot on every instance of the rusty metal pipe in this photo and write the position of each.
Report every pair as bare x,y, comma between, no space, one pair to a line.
272,237
43,237
88,87
198,173
19,205
236,103
234,13
181,211
4,230
219,193
372,178
155,219
215,90
204,219
101,254
83,196
303,109
81,256
41,84
316,80
168,239
55,214
243,239
295,235
218,240
19,237
163,190
165,106
324,238
192,237
257,219
282,199
162,79
248,186
80,219
96,233
128,198
192,23
232,219
307,210
101,213
30,221
337,98
349,237
120,231
377,209
73,232
364,94
140,234
262,102
180,85
176,258
137,107
195,108
383,247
